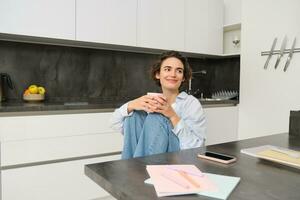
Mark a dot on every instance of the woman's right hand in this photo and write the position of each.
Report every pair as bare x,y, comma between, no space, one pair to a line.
144,103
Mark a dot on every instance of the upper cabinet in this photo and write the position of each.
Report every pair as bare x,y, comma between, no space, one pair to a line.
53,19
232,14
232,27
161,24
204,26
106,21
185,25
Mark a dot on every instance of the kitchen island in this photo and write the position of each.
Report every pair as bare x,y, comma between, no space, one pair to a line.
124,179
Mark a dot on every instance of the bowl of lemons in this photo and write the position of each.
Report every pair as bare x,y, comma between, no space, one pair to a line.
34,93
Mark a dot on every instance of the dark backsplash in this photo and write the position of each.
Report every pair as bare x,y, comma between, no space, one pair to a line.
80,74
214,75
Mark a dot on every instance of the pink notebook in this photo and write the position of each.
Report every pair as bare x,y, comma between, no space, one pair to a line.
172,180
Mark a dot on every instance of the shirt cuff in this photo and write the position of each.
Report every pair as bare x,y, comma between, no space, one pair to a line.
179,126
123,110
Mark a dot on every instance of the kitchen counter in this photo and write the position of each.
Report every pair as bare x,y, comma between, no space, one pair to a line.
260,179
46,108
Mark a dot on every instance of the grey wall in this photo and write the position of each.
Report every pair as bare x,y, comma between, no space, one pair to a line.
80,74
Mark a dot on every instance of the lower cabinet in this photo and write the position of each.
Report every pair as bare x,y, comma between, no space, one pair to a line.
42,157
59,181
47,161
222,124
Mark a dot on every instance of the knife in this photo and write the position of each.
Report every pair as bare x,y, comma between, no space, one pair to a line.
290,56
281,51
271,53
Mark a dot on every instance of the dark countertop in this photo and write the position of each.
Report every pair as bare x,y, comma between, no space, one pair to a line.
124,179
24,108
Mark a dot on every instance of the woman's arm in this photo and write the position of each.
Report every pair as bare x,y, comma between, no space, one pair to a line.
191,129
118,117
189,122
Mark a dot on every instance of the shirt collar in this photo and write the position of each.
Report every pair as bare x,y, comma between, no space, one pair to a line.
182,95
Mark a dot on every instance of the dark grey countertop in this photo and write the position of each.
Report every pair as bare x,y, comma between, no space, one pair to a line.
124,179
36,108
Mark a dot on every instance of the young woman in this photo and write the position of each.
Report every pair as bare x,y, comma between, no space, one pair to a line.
167,122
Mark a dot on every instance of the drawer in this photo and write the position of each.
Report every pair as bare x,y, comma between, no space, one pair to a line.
39,150
45,126
59,181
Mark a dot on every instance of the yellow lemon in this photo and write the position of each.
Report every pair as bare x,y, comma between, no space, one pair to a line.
41,90
33,89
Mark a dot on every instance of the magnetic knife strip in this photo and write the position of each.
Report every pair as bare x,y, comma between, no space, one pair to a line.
280,53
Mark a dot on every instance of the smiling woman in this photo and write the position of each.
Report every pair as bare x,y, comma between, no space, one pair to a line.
169,122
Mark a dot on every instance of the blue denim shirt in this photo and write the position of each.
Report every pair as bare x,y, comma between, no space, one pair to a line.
191,129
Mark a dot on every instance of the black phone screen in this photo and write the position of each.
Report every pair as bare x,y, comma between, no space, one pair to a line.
218,156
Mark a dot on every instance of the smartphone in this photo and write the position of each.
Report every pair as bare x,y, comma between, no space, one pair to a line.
217,157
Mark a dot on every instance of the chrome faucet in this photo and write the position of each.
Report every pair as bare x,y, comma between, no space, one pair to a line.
201,72
190,86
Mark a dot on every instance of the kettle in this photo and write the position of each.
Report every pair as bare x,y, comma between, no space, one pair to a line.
5,82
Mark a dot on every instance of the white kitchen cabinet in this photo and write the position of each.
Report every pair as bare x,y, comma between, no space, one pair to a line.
30,139
185,25
59,181
106,21
222,124
232,26
204,26
268,96
42,156
160,24
232,12
52,19
41,150
50,126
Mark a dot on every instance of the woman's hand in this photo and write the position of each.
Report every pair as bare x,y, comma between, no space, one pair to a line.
145,103
163,107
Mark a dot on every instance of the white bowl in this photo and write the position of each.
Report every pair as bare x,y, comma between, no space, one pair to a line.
33,97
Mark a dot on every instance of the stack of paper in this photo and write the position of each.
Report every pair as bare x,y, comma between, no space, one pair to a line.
170,180
277,154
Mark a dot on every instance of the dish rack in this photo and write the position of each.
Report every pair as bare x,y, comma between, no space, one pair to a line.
225,94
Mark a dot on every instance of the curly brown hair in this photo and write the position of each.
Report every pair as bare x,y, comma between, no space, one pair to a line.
187,71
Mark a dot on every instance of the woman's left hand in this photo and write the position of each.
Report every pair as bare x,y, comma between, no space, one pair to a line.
166,109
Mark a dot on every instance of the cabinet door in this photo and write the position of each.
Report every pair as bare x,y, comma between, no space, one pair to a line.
52,126
53,19
222,124
106,21
215,27
232,11
30,139
196,24
59,181
204,26
161,24
44,150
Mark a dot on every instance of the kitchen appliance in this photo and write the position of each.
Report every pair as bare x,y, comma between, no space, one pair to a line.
5,83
